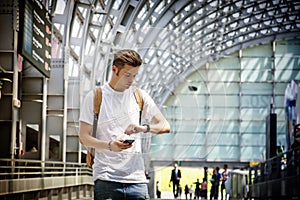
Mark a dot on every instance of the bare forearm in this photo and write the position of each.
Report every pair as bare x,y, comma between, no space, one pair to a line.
90,141
86,138
162,127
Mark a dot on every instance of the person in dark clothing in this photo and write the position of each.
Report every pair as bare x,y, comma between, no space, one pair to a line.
217,183
175,178
197,189
186,191
158,192
213,187
217,179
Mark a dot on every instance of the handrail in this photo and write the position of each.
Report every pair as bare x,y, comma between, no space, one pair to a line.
280,166
24,168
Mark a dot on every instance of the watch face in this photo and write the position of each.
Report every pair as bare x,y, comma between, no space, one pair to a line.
148,127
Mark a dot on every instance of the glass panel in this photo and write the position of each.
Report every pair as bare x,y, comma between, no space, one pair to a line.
223,75
263,50
161,152
256,75
60,7
253,126
163,139
256,153
185,152
189,139
220,153
256,88
54,147
254,113
228,63
256,63
253,139
32,138
287,75
258,101
288,47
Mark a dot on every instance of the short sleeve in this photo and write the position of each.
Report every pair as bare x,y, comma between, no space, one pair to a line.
150,109
86,110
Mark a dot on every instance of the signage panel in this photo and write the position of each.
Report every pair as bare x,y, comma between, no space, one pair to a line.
35,35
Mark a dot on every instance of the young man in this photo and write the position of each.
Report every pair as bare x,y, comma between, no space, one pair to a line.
175,178
118,171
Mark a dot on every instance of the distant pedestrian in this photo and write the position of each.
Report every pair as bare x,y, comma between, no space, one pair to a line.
175,178
186,191
204,188
197,189
224,178
191,191
158,192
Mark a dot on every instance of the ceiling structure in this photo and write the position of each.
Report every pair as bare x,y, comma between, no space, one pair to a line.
176,39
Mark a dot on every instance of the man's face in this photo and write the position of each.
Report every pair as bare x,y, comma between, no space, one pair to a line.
126,76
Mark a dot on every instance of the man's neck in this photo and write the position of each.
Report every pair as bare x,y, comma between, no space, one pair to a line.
113,86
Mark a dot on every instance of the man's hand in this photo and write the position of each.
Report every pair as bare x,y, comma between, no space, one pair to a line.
133,128
119,145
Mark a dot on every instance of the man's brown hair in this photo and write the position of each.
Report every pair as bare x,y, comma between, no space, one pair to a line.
127,56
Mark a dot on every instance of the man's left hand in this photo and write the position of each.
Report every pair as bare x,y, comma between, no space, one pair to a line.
132,129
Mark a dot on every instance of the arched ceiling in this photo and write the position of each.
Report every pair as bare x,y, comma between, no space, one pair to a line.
175,38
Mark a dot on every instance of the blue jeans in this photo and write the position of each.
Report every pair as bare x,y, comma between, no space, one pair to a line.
107,190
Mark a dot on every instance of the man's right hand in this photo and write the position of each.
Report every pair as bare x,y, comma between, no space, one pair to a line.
119,145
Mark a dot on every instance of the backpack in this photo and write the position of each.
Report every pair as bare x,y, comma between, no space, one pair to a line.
97,104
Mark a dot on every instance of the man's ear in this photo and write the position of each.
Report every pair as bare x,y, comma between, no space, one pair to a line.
115,70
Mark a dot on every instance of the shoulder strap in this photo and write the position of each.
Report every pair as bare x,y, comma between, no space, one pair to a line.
97,105
97,100
138,97
139,100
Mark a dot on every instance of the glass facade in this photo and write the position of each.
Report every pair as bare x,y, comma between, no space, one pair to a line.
225,118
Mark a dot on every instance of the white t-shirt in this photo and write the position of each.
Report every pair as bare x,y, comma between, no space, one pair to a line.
117,111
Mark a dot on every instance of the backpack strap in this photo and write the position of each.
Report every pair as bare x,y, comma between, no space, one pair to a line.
97,105
139,100
97,100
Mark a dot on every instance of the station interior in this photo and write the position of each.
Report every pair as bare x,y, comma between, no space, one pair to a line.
225,74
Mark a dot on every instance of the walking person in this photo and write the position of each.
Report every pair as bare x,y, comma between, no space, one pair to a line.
215,181
197,189
158,192
118,169
204,188
186,191
191,191
213,187
175,179
224,178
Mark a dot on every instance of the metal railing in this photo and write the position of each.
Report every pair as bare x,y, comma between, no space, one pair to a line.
277,177
20,176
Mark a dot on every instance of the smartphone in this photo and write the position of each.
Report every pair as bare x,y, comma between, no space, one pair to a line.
128,141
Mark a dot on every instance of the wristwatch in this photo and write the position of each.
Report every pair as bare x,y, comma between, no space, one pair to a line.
148,128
